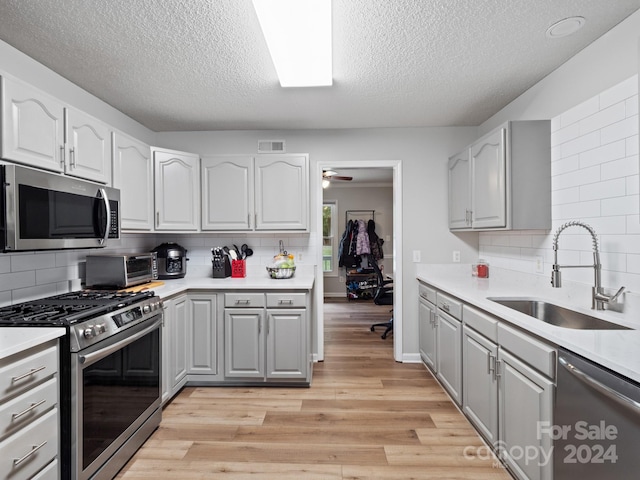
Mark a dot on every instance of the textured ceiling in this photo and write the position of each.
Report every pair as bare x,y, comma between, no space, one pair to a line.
203,64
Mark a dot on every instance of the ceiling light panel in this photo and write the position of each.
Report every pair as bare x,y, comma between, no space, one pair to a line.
298,35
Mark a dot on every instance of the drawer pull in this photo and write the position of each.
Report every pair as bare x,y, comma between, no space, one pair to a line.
243,302
285,302
28,374
445,306
34,449
33,406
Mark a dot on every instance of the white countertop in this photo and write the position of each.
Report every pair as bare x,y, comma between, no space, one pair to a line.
199,278
618,350
17,339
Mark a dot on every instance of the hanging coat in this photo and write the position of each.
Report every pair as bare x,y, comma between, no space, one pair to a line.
362,243
374,241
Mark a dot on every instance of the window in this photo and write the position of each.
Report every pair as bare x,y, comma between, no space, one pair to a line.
329,241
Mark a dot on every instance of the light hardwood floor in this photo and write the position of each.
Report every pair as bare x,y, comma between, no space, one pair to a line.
364,417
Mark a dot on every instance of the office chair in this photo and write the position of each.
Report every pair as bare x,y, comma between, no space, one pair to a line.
383,296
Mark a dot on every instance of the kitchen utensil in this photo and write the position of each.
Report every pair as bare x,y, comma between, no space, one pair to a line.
246,251
235,247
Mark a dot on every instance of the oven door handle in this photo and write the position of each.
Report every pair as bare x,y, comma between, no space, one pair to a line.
105,352
600,387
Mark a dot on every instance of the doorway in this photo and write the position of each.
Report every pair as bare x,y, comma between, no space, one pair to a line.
370,180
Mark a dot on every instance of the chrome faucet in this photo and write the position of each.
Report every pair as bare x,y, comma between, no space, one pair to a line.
598,297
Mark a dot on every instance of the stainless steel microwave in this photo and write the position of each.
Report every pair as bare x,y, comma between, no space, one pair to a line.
48,211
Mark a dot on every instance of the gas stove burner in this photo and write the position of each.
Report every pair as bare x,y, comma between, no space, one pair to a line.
69,308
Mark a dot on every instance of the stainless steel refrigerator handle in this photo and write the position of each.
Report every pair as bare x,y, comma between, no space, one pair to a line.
103,192
105,352
601,387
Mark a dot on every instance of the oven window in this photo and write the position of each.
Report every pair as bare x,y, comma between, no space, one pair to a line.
117,390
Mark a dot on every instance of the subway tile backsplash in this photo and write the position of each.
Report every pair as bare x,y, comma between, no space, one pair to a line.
30,275
595,178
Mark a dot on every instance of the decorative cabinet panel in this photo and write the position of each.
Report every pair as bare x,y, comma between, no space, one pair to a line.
449,354
264,193
32,126
503,180
40,131
88,147
227,193
287,351
282,192
244,343
203,334
174,346
133,175
427,326
177,198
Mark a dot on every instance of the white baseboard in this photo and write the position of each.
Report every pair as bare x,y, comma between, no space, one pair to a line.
411,358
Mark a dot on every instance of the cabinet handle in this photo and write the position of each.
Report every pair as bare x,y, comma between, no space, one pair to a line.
268,323
62,156
249,220
497,369
445,306
34,449
243,302
470,217
491,365
285,302
33,406
28,374
157,218
72,157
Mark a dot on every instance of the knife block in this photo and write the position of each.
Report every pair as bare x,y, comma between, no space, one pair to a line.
221,266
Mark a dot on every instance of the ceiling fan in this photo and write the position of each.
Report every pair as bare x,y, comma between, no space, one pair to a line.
329,175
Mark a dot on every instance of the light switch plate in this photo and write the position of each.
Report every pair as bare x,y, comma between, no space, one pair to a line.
539,264
416,256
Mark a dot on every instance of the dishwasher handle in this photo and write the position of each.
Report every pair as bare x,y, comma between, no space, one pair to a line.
610,393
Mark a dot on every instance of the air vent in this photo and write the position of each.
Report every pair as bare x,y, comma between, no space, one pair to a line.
271,146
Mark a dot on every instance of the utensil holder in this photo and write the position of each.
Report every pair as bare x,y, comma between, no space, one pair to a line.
238,268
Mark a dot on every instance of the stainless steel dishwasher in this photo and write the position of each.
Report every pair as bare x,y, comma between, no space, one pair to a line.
596,427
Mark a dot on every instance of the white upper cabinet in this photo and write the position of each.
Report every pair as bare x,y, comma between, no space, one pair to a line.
133,175
264,193
488,181
503,180
227,193
88,147
282,198
32,126
177,197
459,191
40,131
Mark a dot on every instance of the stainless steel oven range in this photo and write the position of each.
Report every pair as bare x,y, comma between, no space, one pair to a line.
109,373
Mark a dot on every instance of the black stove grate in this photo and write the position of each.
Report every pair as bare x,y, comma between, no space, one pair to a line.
68,308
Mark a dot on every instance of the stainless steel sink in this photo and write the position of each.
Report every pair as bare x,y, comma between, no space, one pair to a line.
555,315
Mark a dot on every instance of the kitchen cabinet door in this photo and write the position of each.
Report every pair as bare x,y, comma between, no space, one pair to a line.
525,402
282,192
133,175
244,343
427,326
178,328
488,181
32,126
449,357
459,191
480,384
203,334
177,196
227,193
287,352
88,147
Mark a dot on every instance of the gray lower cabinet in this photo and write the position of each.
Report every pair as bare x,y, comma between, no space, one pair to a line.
449,358
427,326
266,338
174,346
203,335
29,415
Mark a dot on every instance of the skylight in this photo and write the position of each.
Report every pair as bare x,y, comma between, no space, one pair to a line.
298,35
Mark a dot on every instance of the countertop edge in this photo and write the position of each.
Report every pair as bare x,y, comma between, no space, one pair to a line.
16,340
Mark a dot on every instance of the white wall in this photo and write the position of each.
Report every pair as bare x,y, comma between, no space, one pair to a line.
593,102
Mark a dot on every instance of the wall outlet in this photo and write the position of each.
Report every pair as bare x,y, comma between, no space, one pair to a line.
341,279
539,264
456,256
299,257
416,256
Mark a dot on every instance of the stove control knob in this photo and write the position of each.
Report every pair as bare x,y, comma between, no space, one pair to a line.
101,328
89,332
146,308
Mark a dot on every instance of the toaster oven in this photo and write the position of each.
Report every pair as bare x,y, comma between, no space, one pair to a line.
121,270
